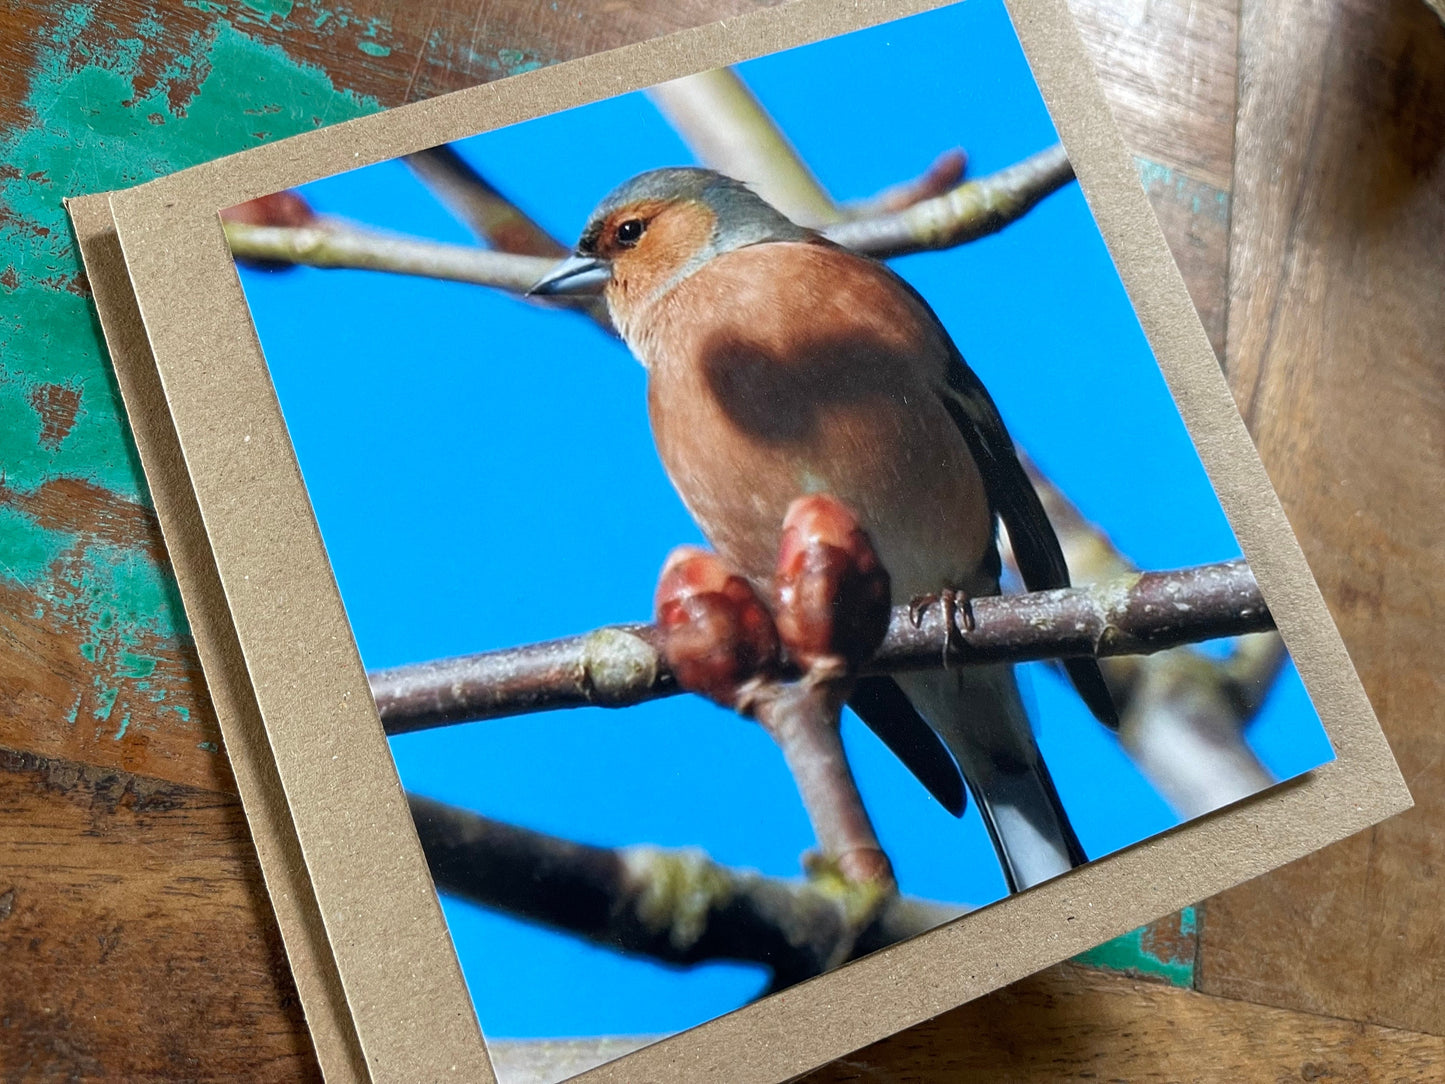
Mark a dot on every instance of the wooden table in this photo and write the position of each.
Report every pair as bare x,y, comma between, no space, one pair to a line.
1293,150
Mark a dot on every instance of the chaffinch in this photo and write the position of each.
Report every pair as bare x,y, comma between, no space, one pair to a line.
779,365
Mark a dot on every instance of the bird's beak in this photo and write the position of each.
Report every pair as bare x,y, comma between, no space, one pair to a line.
574,275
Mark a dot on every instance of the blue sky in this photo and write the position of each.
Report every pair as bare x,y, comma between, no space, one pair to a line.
483,476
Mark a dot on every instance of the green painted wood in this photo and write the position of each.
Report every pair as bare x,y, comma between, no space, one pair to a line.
97,639
1162,951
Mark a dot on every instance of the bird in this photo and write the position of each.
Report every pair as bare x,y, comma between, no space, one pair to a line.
780,364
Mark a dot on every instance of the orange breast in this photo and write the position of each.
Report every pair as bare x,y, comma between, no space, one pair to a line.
790,368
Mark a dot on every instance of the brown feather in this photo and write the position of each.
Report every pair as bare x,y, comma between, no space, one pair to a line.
793,367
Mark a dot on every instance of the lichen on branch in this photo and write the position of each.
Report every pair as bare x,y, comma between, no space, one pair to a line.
676,906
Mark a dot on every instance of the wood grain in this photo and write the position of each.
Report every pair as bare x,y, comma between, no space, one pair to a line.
136,937
1168,68
1337,356
79,681
1074,1024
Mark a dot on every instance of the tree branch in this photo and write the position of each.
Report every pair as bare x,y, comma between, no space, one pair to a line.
622,665
804,718
942,176
334,244
1183,725
728,129
972,210
675,906
965,213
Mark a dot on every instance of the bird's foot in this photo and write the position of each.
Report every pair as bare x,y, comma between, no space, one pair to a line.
957,609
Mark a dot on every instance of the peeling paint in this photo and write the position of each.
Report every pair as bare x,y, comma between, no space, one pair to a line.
138,666
268,8
95,119
105,703
93,130
1203,200
1147,954
515,62
27,549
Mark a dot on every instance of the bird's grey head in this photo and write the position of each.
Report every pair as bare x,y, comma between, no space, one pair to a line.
702,214
741,216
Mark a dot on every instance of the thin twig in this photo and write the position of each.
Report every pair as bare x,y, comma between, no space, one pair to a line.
966,213
621,665
942,176
728,130
804,718
675,906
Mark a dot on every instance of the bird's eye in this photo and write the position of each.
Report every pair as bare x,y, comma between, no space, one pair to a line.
630,231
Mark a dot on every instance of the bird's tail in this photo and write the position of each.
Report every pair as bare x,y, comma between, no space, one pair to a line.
980,716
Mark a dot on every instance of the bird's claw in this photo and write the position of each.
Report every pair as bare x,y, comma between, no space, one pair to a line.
961,604
957,609
918,606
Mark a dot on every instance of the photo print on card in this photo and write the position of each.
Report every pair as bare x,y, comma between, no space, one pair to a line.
729,485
